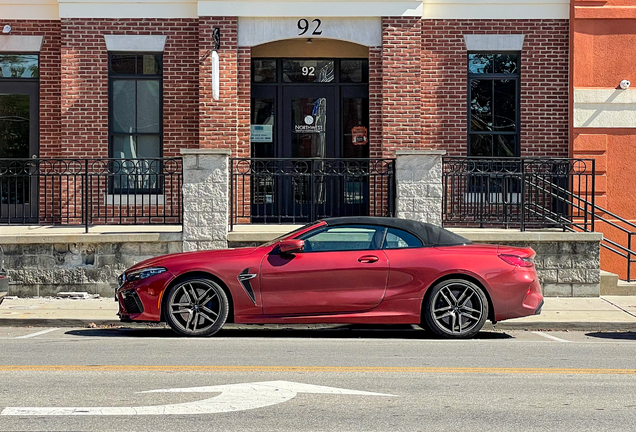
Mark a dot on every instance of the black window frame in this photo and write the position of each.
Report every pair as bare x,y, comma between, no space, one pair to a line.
493,77
21,79
116,167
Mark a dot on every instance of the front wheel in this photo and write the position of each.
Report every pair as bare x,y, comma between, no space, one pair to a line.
196,307
456,309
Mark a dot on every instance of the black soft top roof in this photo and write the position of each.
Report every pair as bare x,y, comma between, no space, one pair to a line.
430,235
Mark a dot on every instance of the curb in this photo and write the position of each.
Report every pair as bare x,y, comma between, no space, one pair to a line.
564,326
56,322
534,326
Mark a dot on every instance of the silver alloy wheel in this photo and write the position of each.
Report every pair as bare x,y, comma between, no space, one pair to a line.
457,309
196,307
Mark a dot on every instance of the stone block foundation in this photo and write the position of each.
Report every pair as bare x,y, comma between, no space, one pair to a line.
46,265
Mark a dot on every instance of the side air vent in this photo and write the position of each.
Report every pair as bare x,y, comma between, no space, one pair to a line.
244,278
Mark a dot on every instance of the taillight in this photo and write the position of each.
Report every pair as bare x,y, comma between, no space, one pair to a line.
516,260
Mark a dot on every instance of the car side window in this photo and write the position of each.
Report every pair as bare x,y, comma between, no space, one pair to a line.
398,239
344,238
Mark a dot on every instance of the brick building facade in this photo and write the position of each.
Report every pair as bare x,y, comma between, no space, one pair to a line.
355,82
417,72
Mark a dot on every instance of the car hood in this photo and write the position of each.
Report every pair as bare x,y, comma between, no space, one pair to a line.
192,257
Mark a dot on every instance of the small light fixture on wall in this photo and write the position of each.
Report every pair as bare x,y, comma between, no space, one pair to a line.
309,41
625,84
216,70
6,29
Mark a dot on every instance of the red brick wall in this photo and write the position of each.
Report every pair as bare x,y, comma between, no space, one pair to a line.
544,83
49,80
375,102
401,70
74,106
244,103
218,119
84,102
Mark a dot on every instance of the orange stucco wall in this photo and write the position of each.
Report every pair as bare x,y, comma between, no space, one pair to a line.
604,53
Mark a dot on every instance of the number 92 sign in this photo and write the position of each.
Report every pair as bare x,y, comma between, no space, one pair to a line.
306,27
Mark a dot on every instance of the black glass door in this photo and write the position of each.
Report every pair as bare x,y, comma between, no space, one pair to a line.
18,143
309,114
309,139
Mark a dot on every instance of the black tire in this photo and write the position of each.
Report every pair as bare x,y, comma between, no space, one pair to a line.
456,309
196,306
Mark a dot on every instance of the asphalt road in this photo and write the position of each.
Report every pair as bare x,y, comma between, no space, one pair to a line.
371,379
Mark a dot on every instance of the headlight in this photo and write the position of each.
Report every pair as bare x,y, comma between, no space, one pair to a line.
144,273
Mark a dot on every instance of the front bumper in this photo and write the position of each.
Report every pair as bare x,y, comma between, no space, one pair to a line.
141,300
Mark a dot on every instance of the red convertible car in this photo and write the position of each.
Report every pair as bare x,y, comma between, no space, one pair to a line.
338,270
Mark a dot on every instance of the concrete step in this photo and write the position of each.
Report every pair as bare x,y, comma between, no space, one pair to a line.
624,288
610,285
609,281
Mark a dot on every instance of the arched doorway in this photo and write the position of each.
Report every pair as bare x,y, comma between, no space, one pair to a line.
309,112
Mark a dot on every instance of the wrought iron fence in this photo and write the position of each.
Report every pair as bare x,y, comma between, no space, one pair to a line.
301,190
91,191
518,192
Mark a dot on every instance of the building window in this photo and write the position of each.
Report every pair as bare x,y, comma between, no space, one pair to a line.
135,121
19,66
493,96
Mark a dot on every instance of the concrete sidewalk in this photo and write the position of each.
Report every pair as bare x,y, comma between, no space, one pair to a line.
590,314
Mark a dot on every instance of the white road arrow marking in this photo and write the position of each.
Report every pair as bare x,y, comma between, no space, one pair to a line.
233,397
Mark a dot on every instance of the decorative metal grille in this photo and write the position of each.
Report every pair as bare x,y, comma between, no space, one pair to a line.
91,191
299,190
518,192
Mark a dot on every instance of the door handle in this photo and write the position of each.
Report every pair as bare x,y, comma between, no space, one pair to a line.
368,259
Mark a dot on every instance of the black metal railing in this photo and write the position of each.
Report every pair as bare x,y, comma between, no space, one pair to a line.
522,193
302,190
533,193
91,191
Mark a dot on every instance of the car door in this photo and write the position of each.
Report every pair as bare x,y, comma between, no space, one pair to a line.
342,269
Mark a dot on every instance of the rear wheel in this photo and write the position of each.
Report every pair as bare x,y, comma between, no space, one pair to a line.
456,309
196,307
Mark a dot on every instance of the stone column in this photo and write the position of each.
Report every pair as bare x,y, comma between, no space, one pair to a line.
205,198
419,185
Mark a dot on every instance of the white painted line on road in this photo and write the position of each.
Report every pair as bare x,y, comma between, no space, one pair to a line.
554,338
36,334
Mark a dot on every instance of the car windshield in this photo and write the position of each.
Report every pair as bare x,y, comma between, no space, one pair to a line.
271,242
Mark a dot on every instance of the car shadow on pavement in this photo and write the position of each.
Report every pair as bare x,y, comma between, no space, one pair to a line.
617,335
286,331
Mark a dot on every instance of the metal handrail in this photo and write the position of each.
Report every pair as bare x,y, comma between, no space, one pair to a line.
623,251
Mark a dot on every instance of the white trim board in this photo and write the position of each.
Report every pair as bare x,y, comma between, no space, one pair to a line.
127,9
310,9
604,108
496,9
257,31
428,9
29,10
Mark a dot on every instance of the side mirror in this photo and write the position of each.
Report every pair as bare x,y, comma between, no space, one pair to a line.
291,245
